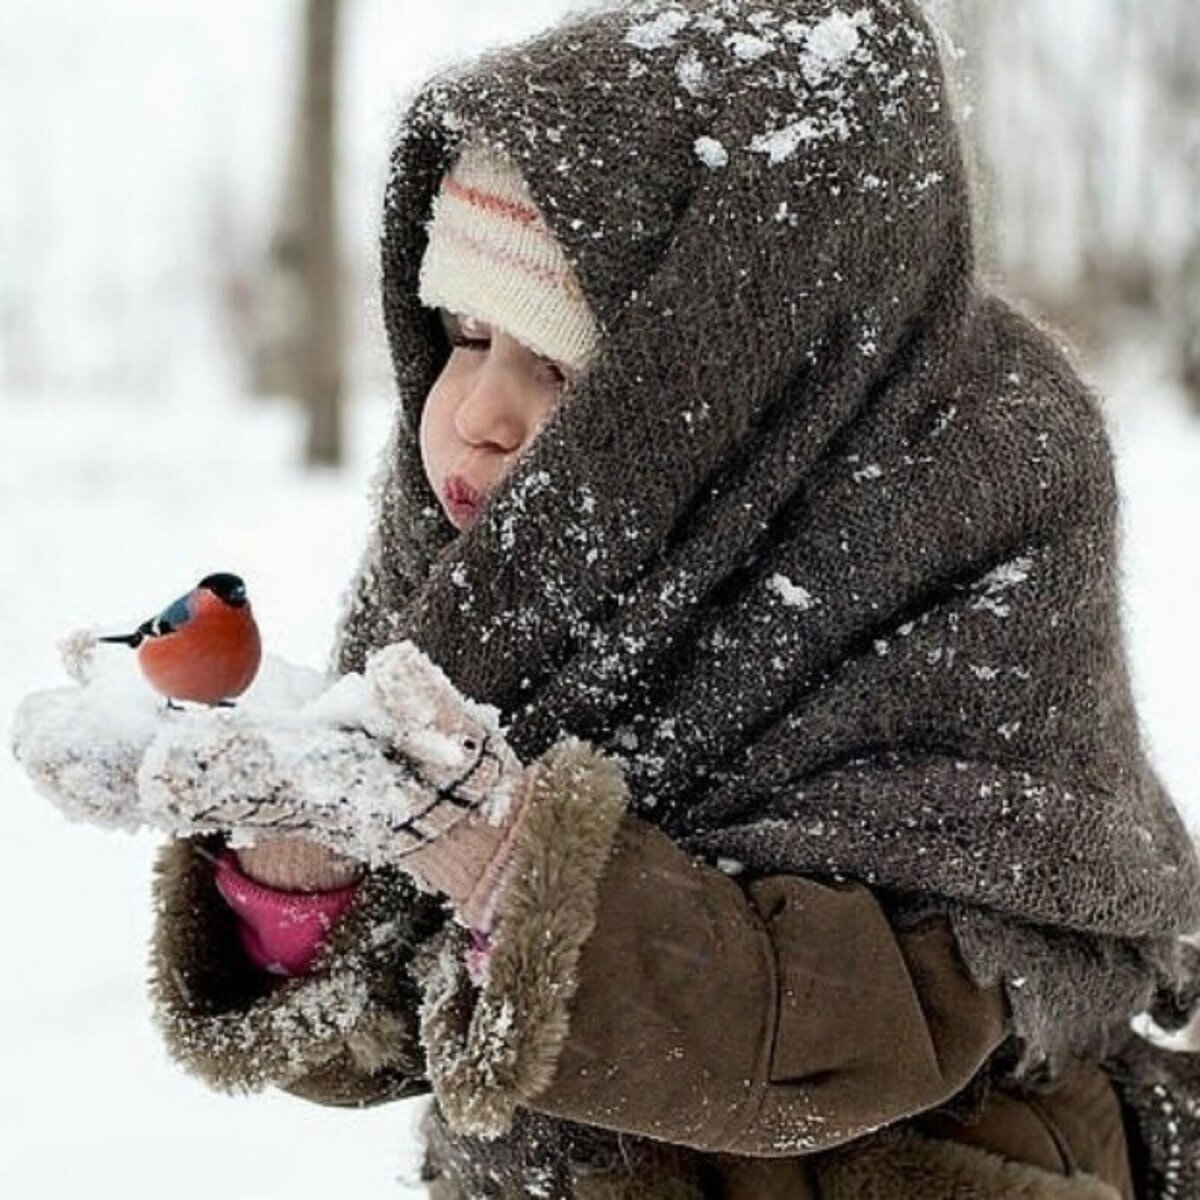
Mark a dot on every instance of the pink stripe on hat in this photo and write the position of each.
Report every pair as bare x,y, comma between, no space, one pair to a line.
522,213
492,256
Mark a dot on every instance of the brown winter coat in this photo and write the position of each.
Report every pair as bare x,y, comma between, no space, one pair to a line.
820,559
634,989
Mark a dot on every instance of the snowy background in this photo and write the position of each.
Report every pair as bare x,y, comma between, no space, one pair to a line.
139,148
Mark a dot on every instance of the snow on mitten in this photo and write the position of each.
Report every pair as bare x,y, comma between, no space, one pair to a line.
250,778
452,742
83,760
376,768
83,745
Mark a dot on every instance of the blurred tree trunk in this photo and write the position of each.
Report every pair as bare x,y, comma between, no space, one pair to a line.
970,25
321,363
1177,67
1189,323
299,349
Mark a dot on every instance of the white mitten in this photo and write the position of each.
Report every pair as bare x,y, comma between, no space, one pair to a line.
374,767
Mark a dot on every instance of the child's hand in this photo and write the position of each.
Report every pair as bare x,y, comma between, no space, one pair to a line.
297,865
82,747
376,769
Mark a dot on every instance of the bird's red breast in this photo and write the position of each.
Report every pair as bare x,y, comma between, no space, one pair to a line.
213,657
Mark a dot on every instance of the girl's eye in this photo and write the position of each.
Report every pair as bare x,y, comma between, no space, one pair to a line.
465,343
553,370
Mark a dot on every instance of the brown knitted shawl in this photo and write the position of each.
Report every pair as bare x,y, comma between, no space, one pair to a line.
824,545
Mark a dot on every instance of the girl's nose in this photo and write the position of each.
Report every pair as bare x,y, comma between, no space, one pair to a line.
488,414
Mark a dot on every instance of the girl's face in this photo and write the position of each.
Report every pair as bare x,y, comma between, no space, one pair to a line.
485,408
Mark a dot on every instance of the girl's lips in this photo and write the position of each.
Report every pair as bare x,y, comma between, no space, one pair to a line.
461,498
459,491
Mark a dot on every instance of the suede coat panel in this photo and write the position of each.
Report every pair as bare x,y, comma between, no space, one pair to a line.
823,546
649,1026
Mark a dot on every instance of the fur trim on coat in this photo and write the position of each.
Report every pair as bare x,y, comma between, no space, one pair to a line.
907,1165
340,1033
489,1052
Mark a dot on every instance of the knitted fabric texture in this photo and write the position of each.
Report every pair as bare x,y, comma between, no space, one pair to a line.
292,864
823,546
468,864
492,256
281,931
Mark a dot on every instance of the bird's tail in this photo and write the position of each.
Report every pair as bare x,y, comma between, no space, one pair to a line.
133,640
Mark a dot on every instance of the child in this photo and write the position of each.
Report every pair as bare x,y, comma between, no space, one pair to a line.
788,554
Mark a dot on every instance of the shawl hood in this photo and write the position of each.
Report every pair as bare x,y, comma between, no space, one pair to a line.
713,157
824,545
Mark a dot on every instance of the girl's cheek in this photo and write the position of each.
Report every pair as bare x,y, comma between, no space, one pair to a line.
432,436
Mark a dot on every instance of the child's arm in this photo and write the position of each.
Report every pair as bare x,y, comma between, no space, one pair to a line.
783,1017
633,988
342,1033
627,986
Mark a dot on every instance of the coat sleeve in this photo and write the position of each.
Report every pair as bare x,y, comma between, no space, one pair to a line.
634,988
343,1034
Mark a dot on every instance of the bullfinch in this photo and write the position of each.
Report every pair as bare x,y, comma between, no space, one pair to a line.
204,647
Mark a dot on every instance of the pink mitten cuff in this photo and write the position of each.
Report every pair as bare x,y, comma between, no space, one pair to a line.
280,931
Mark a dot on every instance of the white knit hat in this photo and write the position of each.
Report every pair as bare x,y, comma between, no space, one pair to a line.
492,256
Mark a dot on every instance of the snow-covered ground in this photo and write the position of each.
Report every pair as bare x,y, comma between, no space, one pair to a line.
106,512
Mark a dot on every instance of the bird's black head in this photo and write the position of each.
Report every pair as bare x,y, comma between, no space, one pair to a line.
224,586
